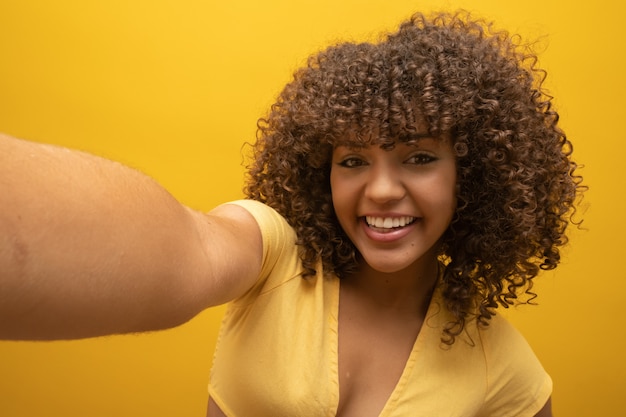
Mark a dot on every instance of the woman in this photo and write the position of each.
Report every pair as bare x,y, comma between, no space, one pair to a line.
399,193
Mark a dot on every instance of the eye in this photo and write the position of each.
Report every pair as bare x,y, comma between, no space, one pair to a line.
352,162
421,159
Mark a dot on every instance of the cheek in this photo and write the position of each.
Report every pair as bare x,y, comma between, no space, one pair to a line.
451,186
451,199
344,204
341,203
340,190
335,194
442,196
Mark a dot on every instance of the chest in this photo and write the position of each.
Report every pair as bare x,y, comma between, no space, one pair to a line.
307,354
373,351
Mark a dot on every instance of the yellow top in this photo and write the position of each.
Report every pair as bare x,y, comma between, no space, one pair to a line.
276,354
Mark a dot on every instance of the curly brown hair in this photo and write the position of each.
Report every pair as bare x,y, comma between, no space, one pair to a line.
517,185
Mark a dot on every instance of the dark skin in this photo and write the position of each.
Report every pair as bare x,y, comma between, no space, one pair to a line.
383,305
377,330
364,326
65,260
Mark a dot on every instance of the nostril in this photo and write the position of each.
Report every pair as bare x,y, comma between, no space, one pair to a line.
385,190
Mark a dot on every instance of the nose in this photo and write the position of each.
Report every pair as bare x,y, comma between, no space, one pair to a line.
385,185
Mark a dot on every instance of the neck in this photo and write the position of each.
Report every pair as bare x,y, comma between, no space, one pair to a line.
408,290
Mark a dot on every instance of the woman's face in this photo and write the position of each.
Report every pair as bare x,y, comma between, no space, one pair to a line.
395,204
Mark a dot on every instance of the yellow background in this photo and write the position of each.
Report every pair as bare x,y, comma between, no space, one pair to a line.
174,87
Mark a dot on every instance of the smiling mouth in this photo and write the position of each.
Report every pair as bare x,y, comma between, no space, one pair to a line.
389,223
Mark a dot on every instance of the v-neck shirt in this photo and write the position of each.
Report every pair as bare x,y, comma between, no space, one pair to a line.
277,351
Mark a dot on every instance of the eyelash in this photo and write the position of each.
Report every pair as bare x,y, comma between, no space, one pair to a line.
422,158
351,162
419,159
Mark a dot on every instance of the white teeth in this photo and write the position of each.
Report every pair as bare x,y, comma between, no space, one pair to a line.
389,222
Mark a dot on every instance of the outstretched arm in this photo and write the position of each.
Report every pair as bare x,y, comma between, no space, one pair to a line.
90,247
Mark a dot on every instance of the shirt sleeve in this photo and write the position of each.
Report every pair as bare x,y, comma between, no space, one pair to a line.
517,384
279,249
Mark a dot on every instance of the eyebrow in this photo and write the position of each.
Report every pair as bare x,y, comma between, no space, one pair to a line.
407,137
414,136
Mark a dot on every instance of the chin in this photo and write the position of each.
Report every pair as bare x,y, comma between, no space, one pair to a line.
387,268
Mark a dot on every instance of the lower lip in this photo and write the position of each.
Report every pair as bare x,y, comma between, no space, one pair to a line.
388,235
